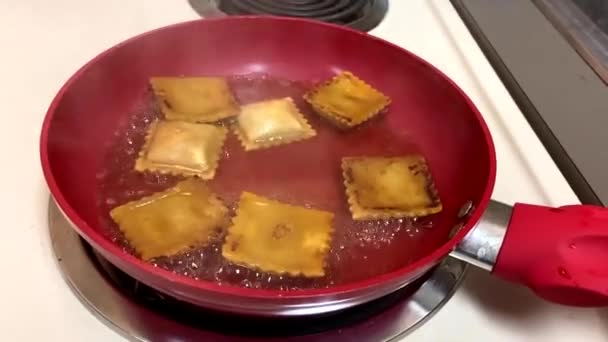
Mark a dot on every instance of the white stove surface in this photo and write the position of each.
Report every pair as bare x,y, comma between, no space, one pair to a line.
44,42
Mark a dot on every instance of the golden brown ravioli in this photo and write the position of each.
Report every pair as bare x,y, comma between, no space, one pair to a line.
382,187
270,123
194,99
346,100
182,148
278,237
187,215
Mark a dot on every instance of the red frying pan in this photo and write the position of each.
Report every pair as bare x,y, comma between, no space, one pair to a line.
560,253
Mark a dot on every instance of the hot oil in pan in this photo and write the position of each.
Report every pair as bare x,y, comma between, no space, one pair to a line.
304,173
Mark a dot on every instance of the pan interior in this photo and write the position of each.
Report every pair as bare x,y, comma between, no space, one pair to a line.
428,115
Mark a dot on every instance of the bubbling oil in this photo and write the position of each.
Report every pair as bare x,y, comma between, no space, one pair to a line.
305,173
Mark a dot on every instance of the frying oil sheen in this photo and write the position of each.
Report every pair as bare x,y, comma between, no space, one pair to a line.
305,173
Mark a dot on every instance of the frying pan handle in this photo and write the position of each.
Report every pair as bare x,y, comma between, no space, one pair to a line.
482,245
559,253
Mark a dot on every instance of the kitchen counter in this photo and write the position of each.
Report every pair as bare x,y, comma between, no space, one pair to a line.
44,42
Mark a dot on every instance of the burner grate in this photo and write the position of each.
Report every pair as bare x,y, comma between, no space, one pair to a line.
363,15
336,11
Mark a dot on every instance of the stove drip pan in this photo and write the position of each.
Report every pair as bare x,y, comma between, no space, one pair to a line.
143,314
362,15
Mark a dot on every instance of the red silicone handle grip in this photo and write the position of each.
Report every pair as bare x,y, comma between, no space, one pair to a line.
560,253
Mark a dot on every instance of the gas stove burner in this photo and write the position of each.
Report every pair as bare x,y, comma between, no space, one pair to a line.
141,313
363,15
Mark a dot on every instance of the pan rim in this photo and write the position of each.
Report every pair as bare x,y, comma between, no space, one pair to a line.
97,239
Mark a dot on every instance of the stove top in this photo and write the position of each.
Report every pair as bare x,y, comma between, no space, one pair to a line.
142,313
362,15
